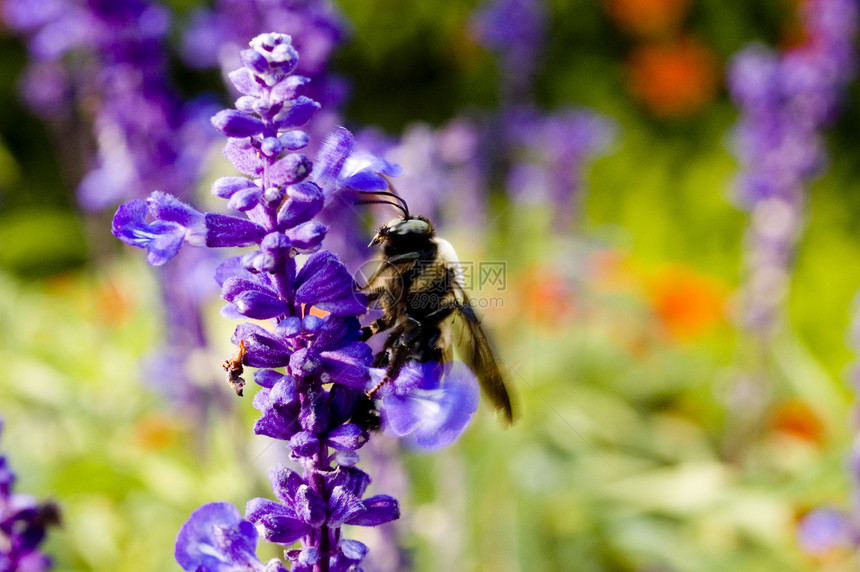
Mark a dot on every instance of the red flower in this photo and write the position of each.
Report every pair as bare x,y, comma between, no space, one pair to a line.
675,79
648,18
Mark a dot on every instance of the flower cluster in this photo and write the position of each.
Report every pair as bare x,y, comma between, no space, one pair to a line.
109,59
546,152
313,369
786,99
515,31
108,62
23,524
550,154
216,35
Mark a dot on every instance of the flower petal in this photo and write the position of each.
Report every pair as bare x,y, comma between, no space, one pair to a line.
331,158
352,549
308,236
348,365
325,283
342,506
243,157
215,536
282,529
234,123
289,88
291,168
264,348
346,437
245,199
433,418
304,444
161,239
259,306
376,510
294,139
267,377
285,483
257,508
244,82
297,114
304,201
168,208
365,181
226,187
223,231
310,506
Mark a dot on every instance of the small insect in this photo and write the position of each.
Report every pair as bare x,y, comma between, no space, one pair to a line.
234,368
424,305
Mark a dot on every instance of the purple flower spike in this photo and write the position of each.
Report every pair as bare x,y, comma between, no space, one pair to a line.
786,100
315,368
514,30
429,406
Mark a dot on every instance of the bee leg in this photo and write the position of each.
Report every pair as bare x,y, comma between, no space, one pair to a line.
400,355
373,294
377,387
374,328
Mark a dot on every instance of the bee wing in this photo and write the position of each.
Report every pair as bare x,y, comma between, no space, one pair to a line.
387,279
383,271
474,349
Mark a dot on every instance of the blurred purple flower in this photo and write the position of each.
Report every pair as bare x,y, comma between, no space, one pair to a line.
23,525
108,61
545,153
823,529
786,99
515,31
550,153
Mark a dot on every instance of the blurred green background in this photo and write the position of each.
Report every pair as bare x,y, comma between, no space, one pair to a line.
654,434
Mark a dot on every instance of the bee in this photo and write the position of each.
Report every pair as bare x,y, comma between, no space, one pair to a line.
234,368
426,313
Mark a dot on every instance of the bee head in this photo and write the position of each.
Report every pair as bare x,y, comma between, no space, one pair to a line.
402,232
403,229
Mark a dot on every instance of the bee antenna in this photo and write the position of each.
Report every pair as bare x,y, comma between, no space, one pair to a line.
392,193
396,196
381,202
402,202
